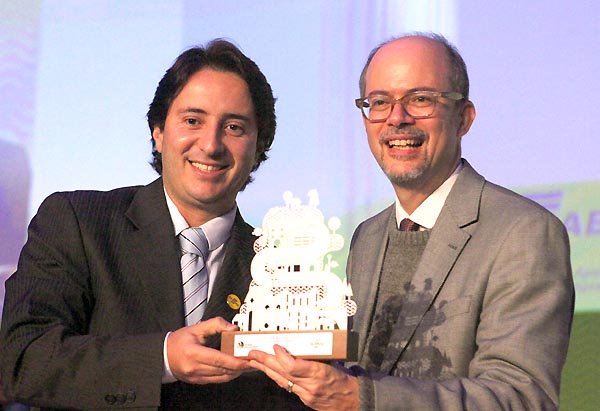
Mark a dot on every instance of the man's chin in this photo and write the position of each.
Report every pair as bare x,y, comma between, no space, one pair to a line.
407,178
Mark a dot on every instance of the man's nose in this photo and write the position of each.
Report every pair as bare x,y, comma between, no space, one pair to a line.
211,141
399,115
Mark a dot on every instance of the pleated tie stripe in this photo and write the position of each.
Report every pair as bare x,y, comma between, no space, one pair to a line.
194,252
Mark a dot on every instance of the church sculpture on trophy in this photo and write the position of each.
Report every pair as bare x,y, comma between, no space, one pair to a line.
295,298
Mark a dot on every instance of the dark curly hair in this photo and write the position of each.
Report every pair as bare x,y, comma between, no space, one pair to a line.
219,55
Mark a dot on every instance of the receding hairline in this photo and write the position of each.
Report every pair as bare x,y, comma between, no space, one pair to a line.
458,75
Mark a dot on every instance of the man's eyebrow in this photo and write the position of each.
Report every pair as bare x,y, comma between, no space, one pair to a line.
379,92
226,116
237,116
412,90
191,110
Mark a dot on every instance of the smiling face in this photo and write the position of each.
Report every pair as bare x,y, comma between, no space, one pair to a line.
416,155
208,144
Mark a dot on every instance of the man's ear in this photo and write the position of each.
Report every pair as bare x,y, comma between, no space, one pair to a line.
467,116
157,136
260,149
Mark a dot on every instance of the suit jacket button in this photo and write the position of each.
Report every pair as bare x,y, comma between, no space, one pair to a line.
131,396
110,399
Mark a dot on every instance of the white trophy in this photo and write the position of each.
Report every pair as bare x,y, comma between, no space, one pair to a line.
295,299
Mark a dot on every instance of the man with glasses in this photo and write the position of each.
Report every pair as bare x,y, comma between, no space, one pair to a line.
464,288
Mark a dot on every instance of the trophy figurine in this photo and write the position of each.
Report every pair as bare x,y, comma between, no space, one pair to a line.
295,299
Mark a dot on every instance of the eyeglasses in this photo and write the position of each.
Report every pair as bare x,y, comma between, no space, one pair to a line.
418,104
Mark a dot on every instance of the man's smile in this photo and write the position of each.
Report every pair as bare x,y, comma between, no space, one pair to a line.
405,143
207,167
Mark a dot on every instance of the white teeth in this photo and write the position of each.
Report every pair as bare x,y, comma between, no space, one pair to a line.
404,143
205,167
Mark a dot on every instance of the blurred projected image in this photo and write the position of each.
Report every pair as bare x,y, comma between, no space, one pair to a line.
14,202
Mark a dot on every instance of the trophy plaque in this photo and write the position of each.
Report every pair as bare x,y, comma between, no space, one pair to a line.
295,298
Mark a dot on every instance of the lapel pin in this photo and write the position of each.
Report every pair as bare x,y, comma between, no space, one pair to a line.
233,301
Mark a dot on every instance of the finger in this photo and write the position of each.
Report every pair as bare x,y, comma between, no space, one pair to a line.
213,326
263,360
280,354
296,367
220,361
283,355
194,363
258,355
202,371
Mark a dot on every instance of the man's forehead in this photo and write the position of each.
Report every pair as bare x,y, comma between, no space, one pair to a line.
214,92
409,48
408,59
207,85
207,76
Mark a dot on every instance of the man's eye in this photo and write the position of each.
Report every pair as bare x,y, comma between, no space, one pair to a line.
192,121
421,99
376,103
234,129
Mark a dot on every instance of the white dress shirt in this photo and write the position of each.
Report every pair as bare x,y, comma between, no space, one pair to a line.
217,231
429,210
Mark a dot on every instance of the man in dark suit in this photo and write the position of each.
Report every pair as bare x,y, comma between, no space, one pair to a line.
94,314
471,307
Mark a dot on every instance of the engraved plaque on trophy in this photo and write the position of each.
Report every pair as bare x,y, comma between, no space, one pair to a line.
295,298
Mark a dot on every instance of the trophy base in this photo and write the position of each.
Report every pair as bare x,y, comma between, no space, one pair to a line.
314,345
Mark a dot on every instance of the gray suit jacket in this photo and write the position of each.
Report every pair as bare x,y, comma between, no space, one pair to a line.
486,323
97,288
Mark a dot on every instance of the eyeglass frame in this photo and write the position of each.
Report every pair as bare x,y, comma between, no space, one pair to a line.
452,95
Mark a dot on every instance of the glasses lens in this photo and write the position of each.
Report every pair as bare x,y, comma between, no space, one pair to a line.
419,104
377,107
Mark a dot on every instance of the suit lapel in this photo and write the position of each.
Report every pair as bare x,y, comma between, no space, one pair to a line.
234,276
446,243
366,272
153,255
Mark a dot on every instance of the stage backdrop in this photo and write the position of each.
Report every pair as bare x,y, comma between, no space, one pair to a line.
76,79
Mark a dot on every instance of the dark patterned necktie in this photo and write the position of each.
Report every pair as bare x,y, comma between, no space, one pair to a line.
409,225
194,252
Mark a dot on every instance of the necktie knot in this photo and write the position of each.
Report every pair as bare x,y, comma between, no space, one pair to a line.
408,225
194,241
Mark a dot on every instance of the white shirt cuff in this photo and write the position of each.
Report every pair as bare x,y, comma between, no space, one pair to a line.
167,376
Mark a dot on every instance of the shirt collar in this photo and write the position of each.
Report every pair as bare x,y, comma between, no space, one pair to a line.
429,210
217,230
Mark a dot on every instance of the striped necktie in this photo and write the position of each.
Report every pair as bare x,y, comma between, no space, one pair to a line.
194,252
409,225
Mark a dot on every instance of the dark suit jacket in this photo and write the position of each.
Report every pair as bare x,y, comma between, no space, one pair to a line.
97,287
486,324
